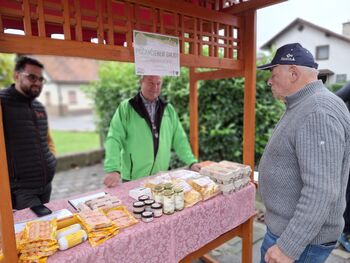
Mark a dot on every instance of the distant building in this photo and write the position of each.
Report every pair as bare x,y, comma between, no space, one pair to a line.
62,94
331,50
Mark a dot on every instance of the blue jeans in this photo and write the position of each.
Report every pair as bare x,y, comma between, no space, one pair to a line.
311,254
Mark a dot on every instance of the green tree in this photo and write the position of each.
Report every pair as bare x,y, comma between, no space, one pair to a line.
6,69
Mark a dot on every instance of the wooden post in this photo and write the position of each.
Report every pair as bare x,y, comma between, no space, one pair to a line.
194,113
249,35
247,241
66,19
6,218
27,18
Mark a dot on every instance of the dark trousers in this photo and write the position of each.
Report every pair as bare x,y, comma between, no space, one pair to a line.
24,198
347,210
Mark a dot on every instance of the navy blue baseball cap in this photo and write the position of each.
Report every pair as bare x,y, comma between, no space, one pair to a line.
291,54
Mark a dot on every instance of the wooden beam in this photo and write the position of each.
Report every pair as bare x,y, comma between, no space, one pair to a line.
247,241
249,5
209,62
110,40
66,21
100,22
6,217
46,46
249,40
218,74
77,15
41,19
190,10
27,18
194,137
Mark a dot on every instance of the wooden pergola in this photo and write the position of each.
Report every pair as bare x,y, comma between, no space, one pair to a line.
224,28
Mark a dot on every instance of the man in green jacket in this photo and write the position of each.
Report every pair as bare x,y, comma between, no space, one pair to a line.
141,135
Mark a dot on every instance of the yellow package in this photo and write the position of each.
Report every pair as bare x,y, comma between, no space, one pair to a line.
41,260
121,216
94,219
95,241
39,231
36,255
67,221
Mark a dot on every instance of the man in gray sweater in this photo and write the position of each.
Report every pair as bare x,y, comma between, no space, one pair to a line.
304,170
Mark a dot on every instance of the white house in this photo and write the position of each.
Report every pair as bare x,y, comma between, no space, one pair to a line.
331,50
62,93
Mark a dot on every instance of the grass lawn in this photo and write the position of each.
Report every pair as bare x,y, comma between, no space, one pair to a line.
72,142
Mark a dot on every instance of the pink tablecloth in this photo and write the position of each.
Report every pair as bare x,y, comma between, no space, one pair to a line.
166,239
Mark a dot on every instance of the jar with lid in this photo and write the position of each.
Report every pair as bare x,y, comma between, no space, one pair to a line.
168,202
157,209
158,193
148,204
179,198
138,206
143,197
168,186
147,216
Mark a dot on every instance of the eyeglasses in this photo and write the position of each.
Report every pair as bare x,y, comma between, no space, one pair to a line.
34,78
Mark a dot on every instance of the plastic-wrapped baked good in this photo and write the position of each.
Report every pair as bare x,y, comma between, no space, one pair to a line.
205,186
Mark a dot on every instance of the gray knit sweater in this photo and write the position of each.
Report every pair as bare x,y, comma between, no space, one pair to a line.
304,170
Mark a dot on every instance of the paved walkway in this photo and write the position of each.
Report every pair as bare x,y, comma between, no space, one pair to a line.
81,180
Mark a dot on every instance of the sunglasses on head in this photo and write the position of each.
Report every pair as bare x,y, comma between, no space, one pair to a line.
33,78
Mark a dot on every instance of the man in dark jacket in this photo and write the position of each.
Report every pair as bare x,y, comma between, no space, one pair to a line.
29,148
344,93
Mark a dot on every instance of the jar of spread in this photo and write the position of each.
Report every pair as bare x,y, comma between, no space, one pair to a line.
138,206
168,202
179,198
157,209
142,198
158,193
148,204
147,216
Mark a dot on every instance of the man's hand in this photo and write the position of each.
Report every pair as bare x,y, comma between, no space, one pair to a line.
112,179
275,255
195,167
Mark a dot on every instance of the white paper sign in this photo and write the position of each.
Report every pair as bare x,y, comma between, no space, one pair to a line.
156,54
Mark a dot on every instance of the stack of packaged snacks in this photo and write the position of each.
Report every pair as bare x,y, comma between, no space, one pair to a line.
121,217
103,202
98,226
205,186
230,176
37,241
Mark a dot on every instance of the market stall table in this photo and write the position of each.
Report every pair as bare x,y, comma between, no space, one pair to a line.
169,238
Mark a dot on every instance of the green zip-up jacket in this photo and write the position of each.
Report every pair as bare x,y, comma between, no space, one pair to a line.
134,150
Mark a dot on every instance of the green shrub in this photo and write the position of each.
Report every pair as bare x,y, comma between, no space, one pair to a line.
220,108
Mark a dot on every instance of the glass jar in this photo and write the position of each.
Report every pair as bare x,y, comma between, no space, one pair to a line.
168,202
168,186
158,193
143,198
138,206
179,198
137,214
148,204
147,216
157,209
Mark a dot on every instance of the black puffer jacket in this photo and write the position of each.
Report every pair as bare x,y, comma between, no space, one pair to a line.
30,162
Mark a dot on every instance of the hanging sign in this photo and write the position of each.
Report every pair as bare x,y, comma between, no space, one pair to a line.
156,54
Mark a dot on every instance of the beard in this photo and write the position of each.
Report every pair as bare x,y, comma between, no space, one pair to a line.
32,91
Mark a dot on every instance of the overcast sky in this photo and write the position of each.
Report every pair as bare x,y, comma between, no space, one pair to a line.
329,14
